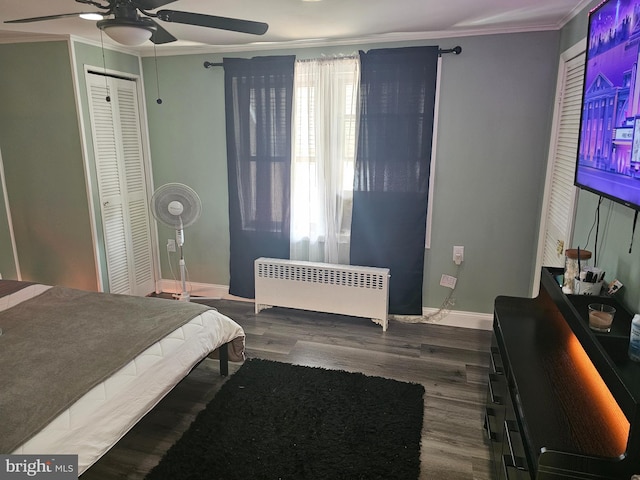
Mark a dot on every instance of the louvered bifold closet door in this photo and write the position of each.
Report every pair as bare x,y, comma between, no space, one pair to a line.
135,188
561,199
121,184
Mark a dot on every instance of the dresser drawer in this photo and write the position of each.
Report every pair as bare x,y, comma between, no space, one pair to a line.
512,472
496,364
512,446
495,411
514,442
497,389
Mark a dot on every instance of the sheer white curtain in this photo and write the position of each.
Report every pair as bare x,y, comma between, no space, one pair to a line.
324,131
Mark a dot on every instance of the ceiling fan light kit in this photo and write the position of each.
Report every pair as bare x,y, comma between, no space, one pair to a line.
128,32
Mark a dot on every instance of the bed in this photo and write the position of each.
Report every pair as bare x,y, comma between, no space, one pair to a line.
78,369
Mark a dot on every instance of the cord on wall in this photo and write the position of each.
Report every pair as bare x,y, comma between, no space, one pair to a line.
445,307
173,274
633,229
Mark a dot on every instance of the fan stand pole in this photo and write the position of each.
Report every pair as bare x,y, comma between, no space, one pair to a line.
184,296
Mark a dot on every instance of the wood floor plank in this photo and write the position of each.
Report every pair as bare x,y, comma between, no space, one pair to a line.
447,380
273,342
477,374
446,354
451,363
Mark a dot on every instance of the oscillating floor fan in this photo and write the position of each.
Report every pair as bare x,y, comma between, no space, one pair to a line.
177,206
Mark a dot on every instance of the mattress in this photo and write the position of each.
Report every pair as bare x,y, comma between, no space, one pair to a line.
100,418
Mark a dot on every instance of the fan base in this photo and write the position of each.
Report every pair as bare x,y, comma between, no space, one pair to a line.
183,297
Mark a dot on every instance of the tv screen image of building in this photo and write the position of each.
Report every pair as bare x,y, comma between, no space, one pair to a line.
608,160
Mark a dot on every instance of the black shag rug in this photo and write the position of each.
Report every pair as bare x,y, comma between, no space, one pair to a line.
274,420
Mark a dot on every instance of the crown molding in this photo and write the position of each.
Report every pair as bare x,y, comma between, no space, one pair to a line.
177,49
187,48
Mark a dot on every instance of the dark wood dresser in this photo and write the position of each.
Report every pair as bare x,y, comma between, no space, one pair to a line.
562,401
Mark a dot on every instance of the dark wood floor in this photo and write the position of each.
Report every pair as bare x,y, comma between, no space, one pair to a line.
451,363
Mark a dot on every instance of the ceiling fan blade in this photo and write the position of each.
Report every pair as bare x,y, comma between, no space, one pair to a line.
151,4
160,35
211,21
49,17
95,4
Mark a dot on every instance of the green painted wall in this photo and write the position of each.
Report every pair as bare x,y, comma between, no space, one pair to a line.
495,117
616,221
187,136
40,140
493,135
42,156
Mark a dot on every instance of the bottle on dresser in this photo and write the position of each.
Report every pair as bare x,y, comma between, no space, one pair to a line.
634,339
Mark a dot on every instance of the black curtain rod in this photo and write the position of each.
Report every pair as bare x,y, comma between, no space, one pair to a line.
457,50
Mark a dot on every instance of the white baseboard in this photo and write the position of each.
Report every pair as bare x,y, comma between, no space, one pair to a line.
453,318
195,289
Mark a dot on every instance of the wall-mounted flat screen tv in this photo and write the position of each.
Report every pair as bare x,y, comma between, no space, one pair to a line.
608,160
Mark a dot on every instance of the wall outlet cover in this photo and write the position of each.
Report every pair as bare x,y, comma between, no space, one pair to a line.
458,254
448,281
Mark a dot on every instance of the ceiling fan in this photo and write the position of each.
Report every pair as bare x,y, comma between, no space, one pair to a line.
130,22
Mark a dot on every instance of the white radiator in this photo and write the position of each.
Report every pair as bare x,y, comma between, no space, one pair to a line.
323,287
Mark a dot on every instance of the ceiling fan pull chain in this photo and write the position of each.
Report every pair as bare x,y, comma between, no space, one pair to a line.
155,56
104,66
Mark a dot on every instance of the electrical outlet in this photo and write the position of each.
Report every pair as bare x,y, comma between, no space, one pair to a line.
448,281
171,245
458,254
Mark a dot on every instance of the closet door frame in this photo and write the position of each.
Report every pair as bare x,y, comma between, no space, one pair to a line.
92,179
12,238
551,189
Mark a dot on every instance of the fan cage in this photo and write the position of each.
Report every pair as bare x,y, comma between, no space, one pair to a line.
188,198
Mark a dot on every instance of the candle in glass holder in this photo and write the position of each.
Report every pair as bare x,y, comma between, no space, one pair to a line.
601,317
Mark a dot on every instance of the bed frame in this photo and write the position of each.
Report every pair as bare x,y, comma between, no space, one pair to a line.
99,419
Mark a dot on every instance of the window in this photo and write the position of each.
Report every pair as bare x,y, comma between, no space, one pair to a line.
325,133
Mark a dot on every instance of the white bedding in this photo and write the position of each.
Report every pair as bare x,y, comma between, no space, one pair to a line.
93,424
22,295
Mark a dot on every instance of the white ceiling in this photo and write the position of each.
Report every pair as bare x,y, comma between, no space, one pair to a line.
295,23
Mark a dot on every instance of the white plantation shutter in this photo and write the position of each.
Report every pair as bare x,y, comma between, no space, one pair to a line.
121,184
136,192
560,193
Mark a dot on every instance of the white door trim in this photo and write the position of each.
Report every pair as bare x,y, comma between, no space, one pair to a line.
14,249
575,51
